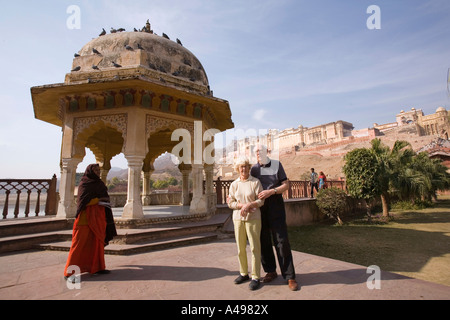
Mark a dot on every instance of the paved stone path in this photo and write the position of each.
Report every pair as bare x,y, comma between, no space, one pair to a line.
199,272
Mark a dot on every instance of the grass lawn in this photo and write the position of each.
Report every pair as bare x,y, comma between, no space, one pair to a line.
414,243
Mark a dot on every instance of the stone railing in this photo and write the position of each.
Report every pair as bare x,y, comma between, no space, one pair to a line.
33,189
297,189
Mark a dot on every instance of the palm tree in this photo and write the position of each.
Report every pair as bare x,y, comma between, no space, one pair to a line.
381,171
391,163
410,175
434,176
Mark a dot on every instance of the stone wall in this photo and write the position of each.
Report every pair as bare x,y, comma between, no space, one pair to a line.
304,211
299,212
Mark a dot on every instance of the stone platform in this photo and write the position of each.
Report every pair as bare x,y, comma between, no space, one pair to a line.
192,271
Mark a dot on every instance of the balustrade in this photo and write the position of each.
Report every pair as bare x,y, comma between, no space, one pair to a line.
297,189
10,187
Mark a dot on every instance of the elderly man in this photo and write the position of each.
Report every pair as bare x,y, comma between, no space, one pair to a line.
273,218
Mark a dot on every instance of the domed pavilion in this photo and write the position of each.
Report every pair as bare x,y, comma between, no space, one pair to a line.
128,92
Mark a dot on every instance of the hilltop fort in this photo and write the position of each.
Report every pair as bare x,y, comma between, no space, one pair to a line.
325,145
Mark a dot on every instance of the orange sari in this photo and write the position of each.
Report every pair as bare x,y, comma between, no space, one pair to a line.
88,240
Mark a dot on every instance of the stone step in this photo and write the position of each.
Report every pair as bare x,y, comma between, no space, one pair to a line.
33,225
128,249
138,237
28,241
130,236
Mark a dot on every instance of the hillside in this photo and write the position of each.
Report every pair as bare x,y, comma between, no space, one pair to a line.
164,167
330,159
326,158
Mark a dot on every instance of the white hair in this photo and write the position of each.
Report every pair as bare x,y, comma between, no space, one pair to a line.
242,161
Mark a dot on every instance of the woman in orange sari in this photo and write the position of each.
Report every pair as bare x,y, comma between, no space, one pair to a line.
94,225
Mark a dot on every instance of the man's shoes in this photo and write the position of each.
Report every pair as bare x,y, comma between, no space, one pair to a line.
254,284
269,277
293,284
241,279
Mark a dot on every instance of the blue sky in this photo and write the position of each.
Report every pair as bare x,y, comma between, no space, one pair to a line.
280,64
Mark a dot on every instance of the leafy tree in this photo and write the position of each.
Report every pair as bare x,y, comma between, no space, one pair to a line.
78,176
113,183
172,181
332,202
381,171
115,180
362,175
160,184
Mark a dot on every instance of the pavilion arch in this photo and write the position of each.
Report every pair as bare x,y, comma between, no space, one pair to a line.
104,139
94,131
159,140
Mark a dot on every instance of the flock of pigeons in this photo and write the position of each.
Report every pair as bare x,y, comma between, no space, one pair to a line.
144,29
139,47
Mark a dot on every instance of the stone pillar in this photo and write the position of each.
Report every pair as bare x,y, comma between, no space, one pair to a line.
210,195
133,208
67,207
104,170
185,171
135,149
198,203
146,189
209,183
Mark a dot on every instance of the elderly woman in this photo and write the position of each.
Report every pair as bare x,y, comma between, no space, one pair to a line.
243,199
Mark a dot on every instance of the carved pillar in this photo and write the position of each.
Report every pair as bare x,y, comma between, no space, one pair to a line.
67,205
210,195
104,170
146,189
185,171
133,208
209,187
135,150
198,203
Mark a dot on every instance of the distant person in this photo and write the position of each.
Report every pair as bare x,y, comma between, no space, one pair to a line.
273,217
322,181
313,182
94,224
243,199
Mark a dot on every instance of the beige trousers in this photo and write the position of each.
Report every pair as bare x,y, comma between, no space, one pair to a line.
250,230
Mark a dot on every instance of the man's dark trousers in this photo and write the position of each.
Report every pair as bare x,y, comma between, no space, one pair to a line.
274,227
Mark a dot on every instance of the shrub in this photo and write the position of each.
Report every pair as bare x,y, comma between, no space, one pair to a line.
409,205
332,202
160,184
